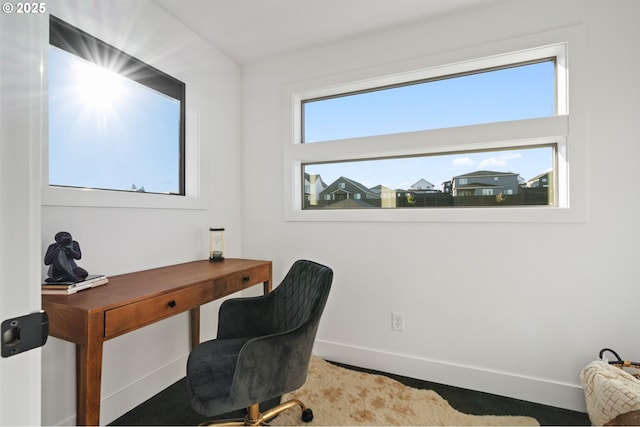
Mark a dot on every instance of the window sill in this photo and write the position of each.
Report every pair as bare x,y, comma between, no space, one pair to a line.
516,214
85,197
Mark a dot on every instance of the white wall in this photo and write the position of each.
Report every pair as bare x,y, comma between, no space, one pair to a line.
524,329
122,239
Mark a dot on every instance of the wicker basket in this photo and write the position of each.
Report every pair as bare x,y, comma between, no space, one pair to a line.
634,367
612,393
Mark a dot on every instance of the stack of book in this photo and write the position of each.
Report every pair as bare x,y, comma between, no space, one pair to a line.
68,288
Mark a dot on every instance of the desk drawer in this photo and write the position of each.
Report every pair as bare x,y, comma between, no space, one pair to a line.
238,281
142,313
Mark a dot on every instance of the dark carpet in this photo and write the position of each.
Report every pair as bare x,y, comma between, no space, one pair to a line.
171,407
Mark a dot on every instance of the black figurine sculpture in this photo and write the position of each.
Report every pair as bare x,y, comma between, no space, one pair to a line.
60,258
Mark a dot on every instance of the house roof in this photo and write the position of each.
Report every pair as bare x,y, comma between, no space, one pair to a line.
355,184
485,173
539,176
421,184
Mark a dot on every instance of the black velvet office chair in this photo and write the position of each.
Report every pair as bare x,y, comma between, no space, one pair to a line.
262,349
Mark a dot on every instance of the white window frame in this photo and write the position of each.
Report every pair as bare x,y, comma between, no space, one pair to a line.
567,45
88,197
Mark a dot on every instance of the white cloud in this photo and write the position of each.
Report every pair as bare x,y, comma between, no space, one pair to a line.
499,161
492,162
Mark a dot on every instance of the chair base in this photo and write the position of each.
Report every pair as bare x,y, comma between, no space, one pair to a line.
256,418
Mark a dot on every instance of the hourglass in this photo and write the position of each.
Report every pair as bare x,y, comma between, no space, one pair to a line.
216,244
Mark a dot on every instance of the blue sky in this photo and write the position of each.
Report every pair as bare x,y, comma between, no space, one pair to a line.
106,131
507,94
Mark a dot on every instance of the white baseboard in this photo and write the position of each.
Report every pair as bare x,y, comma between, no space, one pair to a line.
121,402
560,395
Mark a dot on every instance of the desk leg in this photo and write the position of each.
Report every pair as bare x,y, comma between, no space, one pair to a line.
88,377
266,287
194,324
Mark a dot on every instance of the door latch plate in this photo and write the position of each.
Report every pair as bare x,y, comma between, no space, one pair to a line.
24,333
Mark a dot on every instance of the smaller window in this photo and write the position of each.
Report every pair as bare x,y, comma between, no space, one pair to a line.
115,122
464,179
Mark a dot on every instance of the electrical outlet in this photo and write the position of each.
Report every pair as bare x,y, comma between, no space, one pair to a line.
397,322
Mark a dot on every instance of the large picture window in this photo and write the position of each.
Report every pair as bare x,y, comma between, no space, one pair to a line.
115,122
485,178
475,139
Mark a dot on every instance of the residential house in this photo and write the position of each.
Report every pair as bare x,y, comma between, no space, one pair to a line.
540,181
313,186
422,185
447,187
485,183
344,188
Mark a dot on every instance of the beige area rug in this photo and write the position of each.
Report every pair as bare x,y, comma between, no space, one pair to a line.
340,397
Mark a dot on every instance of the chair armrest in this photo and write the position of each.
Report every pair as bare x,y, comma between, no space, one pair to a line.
274,365
245,317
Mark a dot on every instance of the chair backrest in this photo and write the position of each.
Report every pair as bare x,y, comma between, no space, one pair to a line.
302,295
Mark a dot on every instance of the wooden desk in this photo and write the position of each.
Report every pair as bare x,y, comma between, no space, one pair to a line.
131,301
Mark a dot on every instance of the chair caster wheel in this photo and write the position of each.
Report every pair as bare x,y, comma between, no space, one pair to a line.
307,415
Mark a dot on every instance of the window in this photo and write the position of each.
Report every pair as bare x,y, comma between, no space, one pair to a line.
469,139
513,92
456,175
115,122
